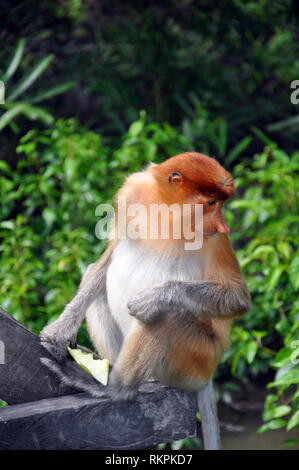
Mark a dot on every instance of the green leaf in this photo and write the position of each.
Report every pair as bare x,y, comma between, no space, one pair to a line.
289,378
282,358
276,412
70,168
272,425
34,113
14,63
9,115
238,149
283,326
251,350
290,442
57,90
283,124
273,277
294,271
49,215
284,249
243,204
261,135
259,334
4,166
270,400
135,128
236,360
31,77
31,112
262,250
294,421
8,224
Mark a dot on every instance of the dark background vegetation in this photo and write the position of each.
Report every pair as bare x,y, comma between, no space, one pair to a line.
94,90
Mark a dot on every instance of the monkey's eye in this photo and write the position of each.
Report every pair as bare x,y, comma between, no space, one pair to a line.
212,203
175,177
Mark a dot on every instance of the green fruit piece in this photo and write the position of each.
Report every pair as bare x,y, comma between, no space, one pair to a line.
98,368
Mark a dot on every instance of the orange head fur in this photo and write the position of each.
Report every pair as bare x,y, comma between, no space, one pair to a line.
194,172
189,178
195,178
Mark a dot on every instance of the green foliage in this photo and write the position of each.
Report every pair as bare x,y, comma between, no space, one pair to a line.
54,190
26,107
237,59
182,444
211,135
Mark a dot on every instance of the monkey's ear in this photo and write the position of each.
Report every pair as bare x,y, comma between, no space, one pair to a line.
175,177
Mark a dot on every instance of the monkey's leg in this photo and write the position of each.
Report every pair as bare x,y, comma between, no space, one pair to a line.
209,419
103,330
140,354
174,350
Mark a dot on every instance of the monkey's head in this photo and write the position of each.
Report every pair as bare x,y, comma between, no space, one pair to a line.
194,178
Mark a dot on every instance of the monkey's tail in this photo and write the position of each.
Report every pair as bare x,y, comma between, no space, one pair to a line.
72,375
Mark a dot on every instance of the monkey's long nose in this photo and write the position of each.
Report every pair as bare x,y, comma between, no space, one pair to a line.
222,226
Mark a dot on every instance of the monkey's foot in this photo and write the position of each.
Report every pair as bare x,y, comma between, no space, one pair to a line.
124,394
121,391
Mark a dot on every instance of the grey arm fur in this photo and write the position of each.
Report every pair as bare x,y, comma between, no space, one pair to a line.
202,298
56,336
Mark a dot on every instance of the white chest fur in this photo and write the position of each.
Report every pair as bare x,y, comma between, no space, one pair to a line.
133,269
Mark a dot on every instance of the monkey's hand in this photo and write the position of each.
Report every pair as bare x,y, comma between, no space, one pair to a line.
147,305
55,338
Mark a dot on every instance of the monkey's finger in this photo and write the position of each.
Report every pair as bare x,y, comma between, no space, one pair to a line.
73,344
89,351
57,349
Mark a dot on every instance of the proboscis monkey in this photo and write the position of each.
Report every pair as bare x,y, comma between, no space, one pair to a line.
154,308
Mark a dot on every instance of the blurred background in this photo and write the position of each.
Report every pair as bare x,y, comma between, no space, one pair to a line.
96,89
